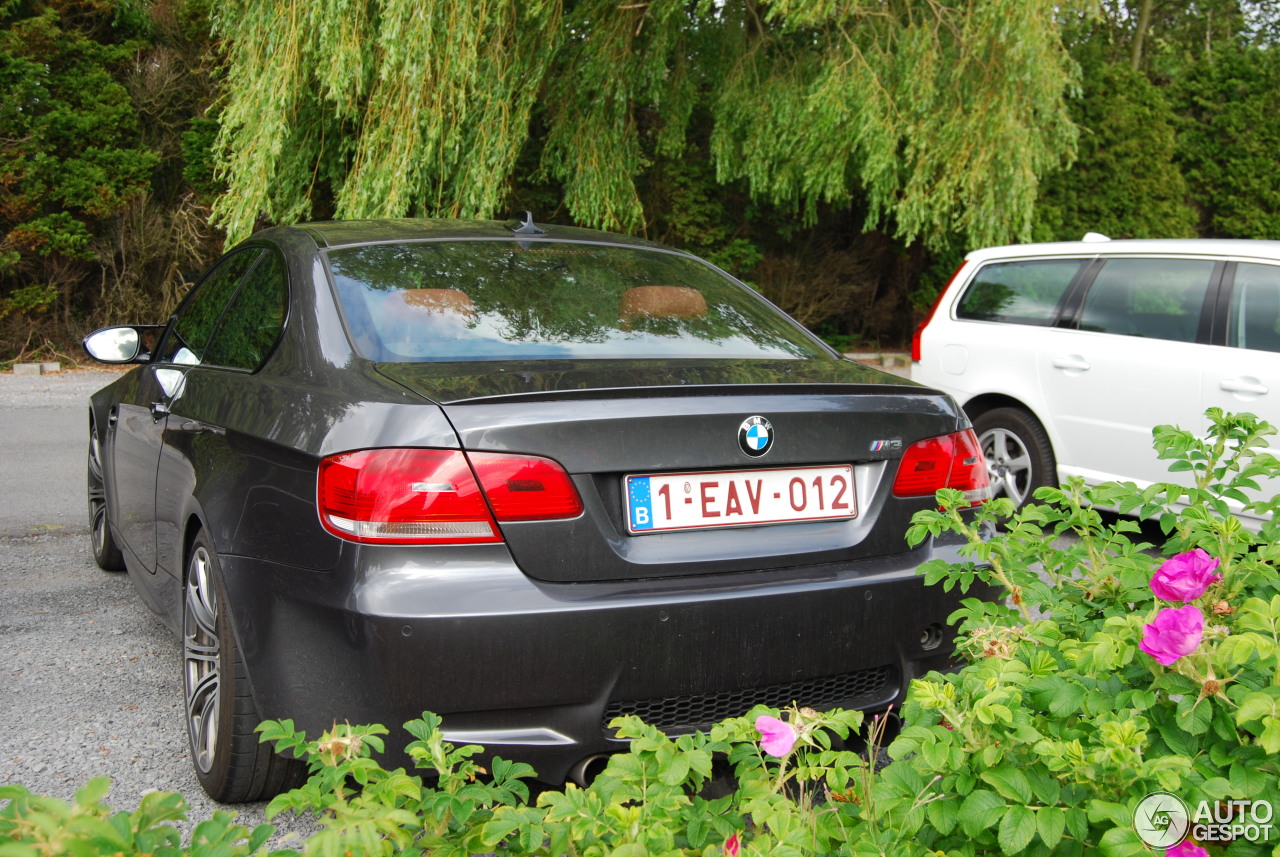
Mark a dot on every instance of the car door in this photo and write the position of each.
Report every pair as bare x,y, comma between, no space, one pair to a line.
201,433
141,422
1133,362
1242,372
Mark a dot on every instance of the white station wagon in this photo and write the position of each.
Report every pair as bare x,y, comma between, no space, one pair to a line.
1066,355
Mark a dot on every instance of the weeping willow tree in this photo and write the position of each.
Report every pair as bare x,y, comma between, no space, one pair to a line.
939,116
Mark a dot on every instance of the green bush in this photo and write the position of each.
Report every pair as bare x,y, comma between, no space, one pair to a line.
1110,672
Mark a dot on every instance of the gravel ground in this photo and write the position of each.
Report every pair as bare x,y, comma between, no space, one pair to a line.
90,682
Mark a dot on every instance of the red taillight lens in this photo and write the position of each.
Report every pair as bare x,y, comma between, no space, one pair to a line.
403,495
950,461
526,488
919,331
430,496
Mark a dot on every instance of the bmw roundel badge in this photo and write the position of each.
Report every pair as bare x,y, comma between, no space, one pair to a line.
755,436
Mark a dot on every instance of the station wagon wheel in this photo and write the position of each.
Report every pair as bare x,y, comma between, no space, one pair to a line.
1019,456
105,551
229,762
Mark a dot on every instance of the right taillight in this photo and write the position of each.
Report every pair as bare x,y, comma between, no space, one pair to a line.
919,331
526,488
949,461
431,496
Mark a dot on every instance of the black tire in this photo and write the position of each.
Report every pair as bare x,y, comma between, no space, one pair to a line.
230,763
1019,455
105,551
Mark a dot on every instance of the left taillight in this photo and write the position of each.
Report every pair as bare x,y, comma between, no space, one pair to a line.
948,461
432,496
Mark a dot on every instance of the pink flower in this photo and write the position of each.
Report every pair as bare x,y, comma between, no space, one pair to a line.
778,736
1185,577
1186,848
732,846
1174,633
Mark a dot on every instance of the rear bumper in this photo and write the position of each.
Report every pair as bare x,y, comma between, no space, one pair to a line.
534,671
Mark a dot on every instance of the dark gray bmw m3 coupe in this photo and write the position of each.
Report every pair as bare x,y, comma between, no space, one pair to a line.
530,478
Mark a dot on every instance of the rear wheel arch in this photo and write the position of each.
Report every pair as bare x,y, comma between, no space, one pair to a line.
193,528
980,404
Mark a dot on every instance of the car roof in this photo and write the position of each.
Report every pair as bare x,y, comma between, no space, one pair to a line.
346,233
1156,246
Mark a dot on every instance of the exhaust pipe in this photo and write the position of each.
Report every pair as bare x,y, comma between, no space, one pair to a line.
588,769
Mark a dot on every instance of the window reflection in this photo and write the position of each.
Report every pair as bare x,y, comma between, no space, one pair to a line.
497,300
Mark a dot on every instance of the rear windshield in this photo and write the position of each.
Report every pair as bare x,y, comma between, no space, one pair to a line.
498,300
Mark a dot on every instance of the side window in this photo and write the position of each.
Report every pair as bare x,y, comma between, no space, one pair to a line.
189,335
1154,298
1253,319
252,324
1019,292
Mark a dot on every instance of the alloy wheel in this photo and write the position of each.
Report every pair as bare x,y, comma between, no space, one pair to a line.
201,650
97,496
1008,464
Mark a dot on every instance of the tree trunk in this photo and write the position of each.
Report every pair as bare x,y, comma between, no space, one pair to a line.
1139,35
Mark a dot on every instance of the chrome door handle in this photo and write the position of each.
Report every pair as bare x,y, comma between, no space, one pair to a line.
1074,361
1243,385
159,410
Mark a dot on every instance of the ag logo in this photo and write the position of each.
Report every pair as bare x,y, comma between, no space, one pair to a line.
1161,820
755,436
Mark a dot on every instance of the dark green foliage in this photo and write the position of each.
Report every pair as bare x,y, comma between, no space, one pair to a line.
1125,183
68,135
1228,140
197,156
96,221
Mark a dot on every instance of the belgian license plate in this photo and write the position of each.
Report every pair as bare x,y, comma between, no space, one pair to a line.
734,498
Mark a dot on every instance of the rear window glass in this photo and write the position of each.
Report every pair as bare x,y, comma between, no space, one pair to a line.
499,300
1019,292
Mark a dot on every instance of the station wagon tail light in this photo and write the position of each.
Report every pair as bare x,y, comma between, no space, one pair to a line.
949,461
919,331
432,496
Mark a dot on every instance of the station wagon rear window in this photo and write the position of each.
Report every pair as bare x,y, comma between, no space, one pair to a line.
473,300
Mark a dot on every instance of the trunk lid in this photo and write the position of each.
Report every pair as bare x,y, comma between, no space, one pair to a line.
606,420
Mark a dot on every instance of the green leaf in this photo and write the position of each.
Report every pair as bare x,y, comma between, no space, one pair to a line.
943,814
1255,706
1050,824
1123,842
1270,737
1078,823
1195,715
1104,810
1016,829
92,792
980,811
1010,782
1044,785
1247,780
1067,700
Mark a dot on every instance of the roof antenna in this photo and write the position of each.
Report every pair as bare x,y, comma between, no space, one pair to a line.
527,227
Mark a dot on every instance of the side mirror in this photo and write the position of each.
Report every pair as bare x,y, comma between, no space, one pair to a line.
120,344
